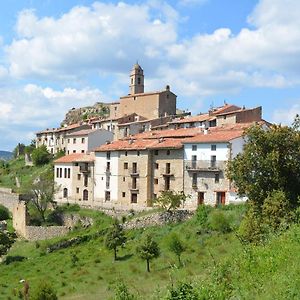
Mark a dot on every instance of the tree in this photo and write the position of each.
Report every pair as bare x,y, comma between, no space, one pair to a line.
270,161
115,238
4,213
148,250
41,191
40,156
6,242
176,246
170,200
19,150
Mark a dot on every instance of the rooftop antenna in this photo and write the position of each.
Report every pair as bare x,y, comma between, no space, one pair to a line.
225,102
212,105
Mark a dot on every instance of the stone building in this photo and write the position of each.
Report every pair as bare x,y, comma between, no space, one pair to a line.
74,178
84,141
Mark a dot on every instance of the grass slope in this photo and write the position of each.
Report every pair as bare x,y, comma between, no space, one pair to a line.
16,168
218,265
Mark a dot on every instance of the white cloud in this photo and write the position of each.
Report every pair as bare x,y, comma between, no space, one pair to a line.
101,37
32,108
286,116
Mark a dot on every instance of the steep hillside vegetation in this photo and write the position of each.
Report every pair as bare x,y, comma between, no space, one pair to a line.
215,264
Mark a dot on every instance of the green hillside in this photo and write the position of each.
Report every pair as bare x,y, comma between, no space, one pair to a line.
216,264
16,168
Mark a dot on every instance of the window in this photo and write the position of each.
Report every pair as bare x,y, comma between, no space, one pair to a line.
224,117
167,183
65,193
82,151
124,179
123,194
68,141
83,140
194,182
213,147
76,164
155,180
68,152
168,152
107,182
156,152
125,166
108,166
57,172
65,173
107,155
134,168
126,153
74,141
138,153
217,178
69,173
78,176
85,195
77,190
156,166
74,151
107,196
60,172
133,198
194,147
139,80
168,168
194,161
86,180
213,161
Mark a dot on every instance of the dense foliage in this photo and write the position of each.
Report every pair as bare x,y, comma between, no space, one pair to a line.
170,200
270,161
40,156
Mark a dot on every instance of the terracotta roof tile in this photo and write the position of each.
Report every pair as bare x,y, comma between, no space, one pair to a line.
216,136
75,157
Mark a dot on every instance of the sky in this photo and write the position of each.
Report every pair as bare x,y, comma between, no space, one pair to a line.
56,55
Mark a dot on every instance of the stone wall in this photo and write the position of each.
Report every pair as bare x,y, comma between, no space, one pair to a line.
159,219
36,233
8,198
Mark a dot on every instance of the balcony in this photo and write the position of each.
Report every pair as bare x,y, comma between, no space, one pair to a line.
204,165
85,169
134,188
134,172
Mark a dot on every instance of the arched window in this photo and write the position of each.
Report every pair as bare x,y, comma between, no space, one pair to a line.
85,195
65,193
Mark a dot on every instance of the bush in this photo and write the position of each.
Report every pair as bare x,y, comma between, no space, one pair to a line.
202,214
4,213
276,211
184,291
10,259
122,292
44,292
219,221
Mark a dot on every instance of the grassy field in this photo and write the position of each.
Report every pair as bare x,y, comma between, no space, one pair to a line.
216,263
16,168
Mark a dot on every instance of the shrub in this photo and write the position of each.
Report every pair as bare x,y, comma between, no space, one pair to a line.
276,211
184,291
44,292
219,221
251,229
4,213
122,292
202,214
10,259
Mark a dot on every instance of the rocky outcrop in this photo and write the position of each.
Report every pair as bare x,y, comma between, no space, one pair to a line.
158,219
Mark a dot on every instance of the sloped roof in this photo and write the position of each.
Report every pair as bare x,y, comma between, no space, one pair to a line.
76,157
216,136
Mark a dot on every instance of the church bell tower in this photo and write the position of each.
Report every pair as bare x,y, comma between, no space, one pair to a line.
136,80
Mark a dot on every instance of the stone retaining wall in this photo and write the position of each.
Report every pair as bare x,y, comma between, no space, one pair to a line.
36,233
159,219
8,198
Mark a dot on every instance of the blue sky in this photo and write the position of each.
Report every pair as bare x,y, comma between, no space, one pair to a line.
55,55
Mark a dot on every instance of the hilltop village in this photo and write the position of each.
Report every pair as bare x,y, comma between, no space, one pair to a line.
122,155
